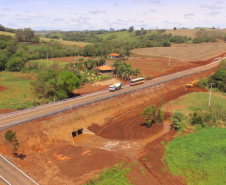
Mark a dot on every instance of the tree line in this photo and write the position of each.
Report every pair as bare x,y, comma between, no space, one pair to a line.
14,54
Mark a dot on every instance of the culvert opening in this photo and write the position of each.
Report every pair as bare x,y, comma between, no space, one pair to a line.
77,132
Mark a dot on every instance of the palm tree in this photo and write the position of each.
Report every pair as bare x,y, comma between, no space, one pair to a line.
137,71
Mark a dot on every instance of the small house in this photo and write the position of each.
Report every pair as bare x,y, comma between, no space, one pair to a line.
113,55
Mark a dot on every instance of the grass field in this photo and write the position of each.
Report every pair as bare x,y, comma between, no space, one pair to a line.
50,62
71,43
199,157
6,33
196,101
18,92
115,175
185,52
65,42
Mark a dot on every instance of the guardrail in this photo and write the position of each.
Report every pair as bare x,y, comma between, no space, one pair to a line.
94,101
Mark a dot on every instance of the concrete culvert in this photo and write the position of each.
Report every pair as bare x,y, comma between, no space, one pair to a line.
82,131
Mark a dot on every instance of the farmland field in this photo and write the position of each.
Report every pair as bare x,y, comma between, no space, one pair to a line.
198,157
185,104
185,52
70,43
18,91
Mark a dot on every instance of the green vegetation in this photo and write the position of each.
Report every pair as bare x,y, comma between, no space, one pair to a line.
19,93
124,70
197,114
153,115
199,157
13,54
26,35
114,176
10,137
219,77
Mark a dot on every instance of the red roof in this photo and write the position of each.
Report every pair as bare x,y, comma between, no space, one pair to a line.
105,68
114,54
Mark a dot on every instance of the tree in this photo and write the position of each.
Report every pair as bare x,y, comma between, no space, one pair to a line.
131,29
25,35
10,137
174,28
148,115
68,81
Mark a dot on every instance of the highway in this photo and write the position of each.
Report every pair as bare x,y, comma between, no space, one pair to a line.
7,120
11,175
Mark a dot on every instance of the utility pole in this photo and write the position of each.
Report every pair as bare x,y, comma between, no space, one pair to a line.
169,62
210,92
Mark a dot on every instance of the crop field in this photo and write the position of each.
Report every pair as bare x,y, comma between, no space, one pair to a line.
18,92
6,33
122,35
46,63
185,52
198,157
196,101
69,43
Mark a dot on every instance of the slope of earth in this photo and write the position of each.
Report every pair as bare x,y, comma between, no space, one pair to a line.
46,147
185,52
130,125
151,157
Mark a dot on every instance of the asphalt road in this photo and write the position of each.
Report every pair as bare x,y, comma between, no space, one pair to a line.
38,112
12,175
16,177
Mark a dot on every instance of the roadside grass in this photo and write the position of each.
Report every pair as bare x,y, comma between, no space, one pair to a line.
199,157
196,101
18,94
115,175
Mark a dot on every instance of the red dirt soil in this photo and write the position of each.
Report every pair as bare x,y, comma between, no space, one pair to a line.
130,126
154,152
57,161
153,67
2,88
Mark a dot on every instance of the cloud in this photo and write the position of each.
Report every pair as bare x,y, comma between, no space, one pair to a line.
22,1
219,2
126,20
17,15
116,4
138,1
212,14
152,10
1,15
155,2
81,20
188,14
166,22
211,7
35,15
6,9
23,19
26,11
96,12
58,19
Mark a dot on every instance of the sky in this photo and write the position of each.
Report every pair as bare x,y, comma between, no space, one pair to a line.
118,14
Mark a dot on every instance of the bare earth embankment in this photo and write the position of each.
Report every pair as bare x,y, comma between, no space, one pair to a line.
47,145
